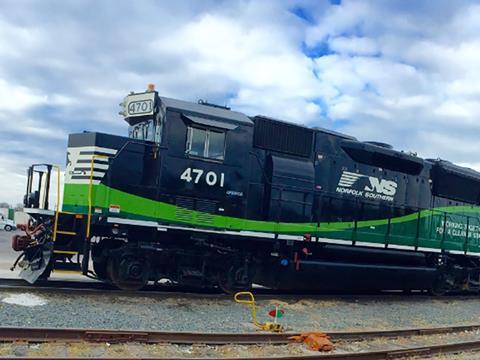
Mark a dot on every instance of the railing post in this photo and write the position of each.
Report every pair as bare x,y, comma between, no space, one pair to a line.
387,234
417,234
57,206
444,230
355,221
465,246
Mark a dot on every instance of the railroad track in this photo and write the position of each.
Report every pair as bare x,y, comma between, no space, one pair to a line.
94,286
42,335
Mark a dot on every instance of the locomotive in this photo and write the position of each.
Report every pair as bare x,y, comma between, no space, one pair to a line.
204,196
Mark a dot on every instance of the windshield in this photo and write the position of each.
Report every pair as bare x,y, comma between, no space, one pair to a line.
142,131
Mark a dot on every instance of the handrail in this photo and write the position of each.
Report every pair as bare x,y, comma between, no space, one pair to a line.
57,206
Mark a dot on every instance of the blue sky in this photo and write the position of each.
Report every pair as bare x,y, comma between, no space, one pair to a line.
401,72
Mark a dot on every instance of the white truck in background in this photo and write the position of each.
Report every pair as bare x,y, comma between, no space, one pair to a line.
7,224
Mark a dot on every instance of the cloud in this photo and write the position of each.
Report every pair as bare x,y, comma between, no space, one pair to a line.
400,72
353,45
404,75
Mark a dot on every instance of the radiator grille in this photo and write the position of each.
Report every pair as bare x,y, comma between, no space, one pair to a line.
283,137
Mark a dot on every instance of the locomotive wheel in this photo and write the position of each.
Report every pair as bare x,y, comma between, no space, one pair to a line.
441,285
100,257
129,272
234,279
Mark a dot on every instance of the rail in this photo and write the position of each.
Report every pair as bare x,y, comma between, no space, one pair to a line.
414,348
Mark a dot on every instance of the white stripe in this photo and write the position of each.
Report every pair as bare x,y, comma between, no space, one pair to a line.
349,177
457,252
155,224
370,244
351,181
472,253
132,222
253,233
83,181
90,156
88,165
333,241
87,173
291,237
400,247
429,249
93,148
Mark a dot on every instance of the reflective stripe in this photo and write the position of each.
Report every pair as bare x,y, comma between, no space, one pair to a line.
369,244
400,247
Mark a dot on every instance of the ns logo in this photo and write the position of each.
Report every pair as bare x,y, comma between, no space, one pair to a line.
376,185
381,186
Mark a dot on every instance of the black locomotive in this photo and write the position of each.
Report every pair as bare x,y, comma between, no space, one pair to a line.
205,196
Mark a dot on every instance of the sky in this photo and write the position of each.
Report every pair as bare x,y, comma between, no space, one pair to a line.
403,72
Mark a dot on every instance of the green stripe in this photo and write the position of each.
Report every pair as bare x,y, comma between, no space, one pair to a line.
402,230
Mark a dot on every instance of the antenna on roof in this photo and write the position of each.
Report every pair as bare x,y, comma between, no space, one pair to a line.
206,103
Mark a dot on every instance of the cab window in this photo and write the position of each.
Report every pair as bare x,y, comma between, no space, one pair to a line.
206,143
142,131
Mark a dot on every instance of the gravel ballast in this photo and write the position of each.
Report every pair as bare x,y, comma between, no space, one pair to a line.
215,313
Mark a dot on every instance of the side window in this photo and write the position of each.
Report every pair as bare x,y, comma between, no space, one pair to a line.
205,143
197,139
216,145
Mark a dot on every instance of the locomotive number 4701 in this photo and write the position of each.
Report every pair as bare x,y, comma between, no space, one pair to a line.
196,175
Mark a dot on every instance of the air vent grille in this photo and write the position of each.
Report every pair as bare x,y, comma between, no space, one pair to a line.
283,137
206,210
184,212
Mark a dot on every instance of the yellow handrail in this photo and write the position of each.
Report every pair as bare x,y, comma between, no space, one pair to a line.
57,206
89,214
